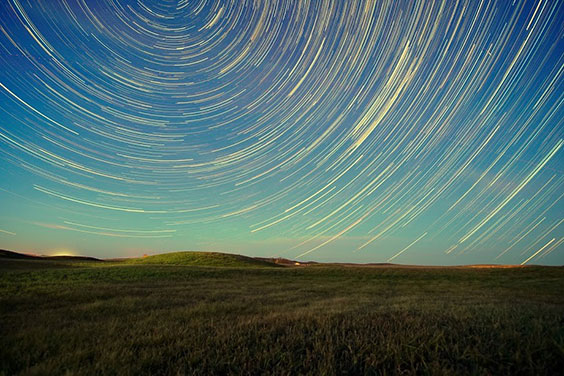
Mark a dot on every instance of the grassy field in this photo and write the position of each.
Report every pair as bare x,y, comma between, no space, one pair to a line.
150,317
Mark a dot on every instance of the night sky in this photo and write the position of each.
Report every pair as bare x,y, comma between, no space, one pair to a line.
414,132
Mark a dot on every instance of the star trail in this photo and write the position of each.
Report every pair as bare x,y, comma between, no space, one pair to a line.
426,132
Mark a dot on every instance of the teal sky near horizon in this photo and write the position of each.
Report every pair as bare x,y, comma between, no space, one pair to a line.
414,132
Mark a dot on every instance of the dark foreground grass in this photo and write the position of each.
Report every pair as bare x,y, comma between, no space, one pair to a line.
156,319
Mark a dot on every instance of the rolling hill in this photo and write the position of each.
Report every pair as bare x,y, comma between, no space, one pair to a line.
201,259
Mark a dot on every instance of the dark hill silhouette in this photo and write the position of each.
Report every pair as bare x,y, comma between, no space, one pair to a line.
4,254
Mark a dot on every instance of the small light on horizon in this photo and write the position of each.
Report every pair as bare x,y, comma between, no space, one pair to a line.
61,252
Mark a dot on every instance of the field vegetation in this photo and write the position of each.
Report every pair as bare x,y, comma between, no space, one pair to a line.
218,314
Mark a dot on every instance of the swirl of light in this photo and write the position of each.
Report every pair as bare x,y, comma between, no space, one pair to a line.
392,130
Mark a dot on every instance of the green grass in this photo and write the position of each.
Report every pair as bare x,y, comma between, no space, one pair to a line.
128,318
201,259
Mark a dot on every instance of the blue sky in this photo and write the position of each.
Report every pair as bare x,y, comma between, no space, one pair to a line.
416,133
